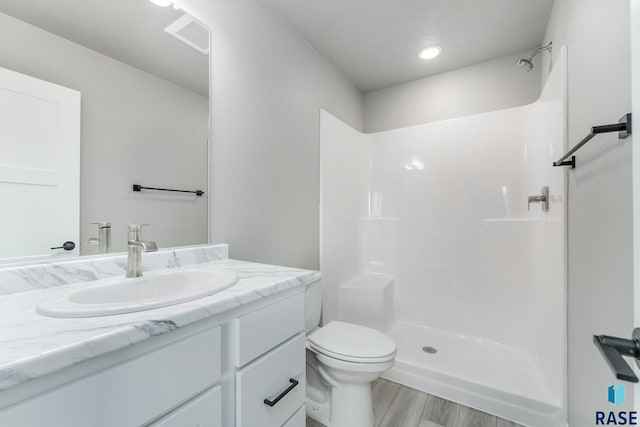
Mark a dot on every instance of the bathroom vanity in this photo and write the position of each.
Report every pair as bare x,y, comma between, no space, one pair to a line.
235,358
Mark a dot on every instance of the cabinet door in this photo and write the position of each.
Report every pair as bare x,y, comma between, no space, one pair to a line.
299,419
277,377
203,411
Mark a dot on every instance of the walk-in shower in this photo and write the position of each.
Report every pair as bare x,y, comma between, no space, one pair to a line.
478,280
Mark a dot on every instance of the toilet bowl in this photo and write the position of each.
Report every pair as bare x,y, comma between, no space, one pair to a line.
343,359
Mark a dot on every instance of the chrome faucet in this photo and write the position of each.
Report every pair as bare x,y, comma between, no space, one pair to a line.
104,237
135,246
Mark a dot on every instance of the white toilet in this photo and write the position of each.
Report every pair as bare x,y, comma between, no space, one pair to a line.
342,361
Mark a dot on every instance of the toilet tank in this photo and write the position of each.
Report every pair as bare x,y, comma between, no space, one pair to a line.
313,305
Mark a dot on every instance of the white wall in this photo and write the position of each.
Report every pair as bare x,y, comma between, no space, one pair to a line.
268,86
635,85
600,194
479,88
136,128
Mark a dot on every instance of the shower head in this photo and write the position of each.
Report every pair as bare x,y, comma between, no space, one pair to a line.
527,63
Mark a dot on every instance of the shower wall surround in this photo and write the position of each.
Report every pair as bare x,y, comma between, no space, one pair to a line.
442,207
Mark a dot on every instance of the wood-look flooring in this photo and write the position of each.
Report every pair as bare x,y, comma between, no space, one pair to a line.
395,405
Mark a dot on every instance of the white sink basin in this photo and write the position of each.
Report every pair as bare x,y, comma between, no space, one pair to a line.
121,295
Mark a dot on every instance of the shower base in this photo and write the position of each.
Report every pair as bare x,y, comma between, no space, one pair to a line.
482,374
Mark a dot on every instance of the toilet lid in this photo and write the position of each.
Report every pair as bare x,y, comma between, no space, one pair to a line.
353,342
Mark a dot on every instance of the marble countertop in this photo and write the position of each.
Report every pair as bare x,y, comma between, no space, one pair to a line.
32,345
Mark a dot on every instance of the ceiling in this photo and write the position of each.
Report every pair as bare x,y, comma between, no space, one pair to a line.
130,31
375,42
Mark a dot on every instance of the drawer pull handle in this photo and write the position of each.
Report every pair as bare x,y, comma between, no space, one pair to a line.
273,402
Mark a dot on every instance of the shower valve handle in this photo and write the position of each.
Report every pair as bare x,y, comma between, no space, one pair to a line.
542,199
613,348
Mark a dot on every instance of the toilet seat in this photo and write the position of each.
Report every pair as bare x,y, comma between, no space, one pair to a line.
354,368
349,359
352,343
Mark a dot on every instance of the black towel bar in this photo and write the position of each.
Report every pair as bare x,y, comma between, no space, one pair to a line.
138,187
623,127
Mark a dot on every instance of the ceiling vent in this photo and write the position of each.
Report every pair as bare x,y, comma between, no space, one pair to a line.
191,32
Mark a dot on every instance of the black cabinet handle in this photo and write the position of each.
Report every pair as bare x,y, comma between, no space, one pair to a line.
273,402
67,246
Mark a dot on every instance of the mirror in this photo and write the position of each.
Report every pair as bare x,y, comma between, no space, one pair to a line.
96,97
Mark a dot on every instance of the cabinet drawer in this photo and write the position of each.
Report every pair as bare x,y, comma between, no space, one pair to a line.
129,394
203,411
299,419
268,378
264,329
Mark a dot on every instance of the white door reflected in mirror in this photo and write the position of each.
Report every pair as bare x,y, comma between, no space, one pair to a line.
40,168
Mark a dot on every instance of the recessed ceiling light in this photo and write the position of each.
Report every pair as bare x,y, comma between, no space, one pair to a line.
430,52
161,3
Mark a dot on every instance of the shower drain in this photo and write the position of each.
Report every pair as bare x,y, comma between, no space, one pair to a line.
429,349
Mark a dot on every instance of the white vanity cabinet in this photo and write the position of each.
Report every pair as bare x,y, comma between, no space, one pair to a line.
270,389
131,393
216,373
